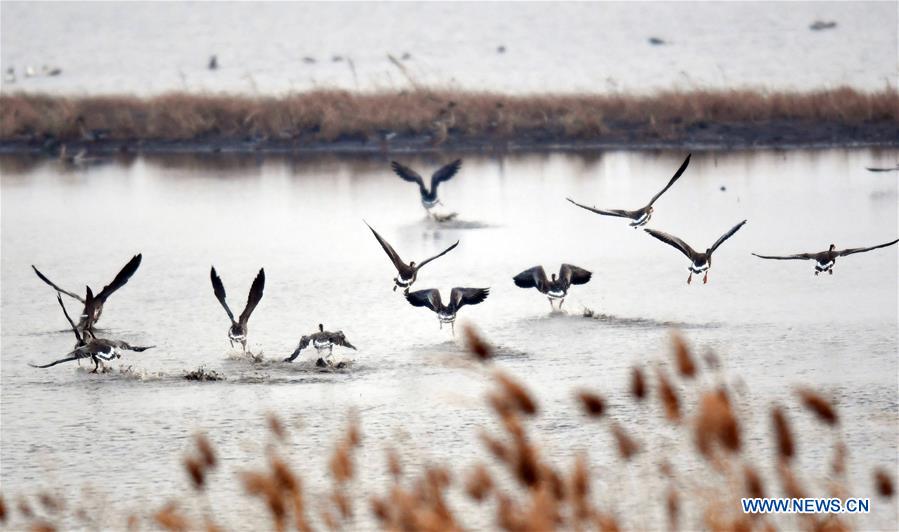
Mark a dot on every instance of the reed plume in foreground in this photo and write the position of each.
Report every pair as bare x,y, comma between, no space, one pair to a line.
521,485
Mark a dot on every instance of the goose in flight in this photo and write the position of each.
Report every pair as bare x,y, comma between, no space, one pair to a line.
642,215
555,289
89,346
238,330
407,272
825,260
428,197
700,262
459,297
321,341
93,304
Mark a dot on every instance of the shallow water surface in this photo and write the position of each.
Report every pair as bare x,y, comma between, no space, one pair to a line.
122,434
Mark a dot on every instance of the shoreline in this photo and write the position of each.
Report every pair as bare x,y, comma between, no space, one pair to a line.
427,120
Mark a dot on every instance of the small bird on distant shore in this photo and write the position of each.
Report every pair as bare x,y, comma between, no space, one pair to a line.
459,297
699,262
429,198
555,289
407,272
321,341
93,304
642,215
213,63
238,330
825,260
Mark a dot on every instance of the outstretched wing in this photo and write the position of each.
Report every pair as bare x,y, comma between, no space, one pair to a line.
254,297
605,212
445,173
71,323
437,256
304,343
74,355
727,235
677,174
574,275
850,251
394,256
42,277
531,278
798,256
459,297
339,338
125,345
673,241
120,279
429,298
219,290
408,174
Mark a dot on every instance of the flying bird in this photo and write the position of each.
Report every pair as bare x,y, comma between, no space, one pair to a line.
557,288
88,346
93,304
642,215
428,197
700,262
459,297
321,341
238,330
825,260
407,272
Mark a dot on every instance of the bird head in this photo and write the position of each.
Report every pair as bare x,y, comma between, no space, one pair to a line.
321,328
412,264
554,277
831,248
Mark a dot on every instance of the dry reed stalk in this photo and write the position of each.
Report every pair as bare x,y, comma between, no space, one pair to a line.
672,507
716,423
479,483
682,357
785,446
171,519
627,446
838,465
25,508
753,483
593,404
394,466
207,453
276,427
883,483
638,384
341,463
820,406
668,396
50,502
42,527
517,394
476,344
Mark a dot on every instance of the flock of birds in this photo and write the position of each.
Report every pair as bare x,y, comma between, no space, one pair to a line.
555,288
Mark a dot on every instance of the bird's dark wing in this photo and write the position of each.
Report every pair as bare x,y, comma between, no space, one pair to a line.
219,290
254,297
574,275
425,298
531,278
304,343
74,355
873,169
339,338
850,251
798,256
74,328
607,212
674,242
727,235
42,277
409,175
460,297
677,174
125,345
442,253
121,278
398,263
445,173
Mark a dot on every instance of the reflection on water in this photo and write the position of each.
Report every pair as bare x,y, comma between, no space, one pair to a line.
771,325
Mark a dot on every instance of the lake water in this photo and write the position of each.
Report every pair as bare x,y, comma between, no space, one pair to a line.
122,435
278,47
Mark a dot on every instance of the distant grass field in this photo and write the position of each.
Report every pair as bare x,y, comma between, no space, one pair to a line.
446,118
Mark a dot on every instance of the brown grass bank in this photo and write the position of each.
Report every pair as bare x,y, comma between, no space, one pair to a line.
434,119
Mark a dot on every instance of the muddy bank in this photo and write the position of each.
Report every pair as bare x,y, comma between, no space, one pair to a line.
425,120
